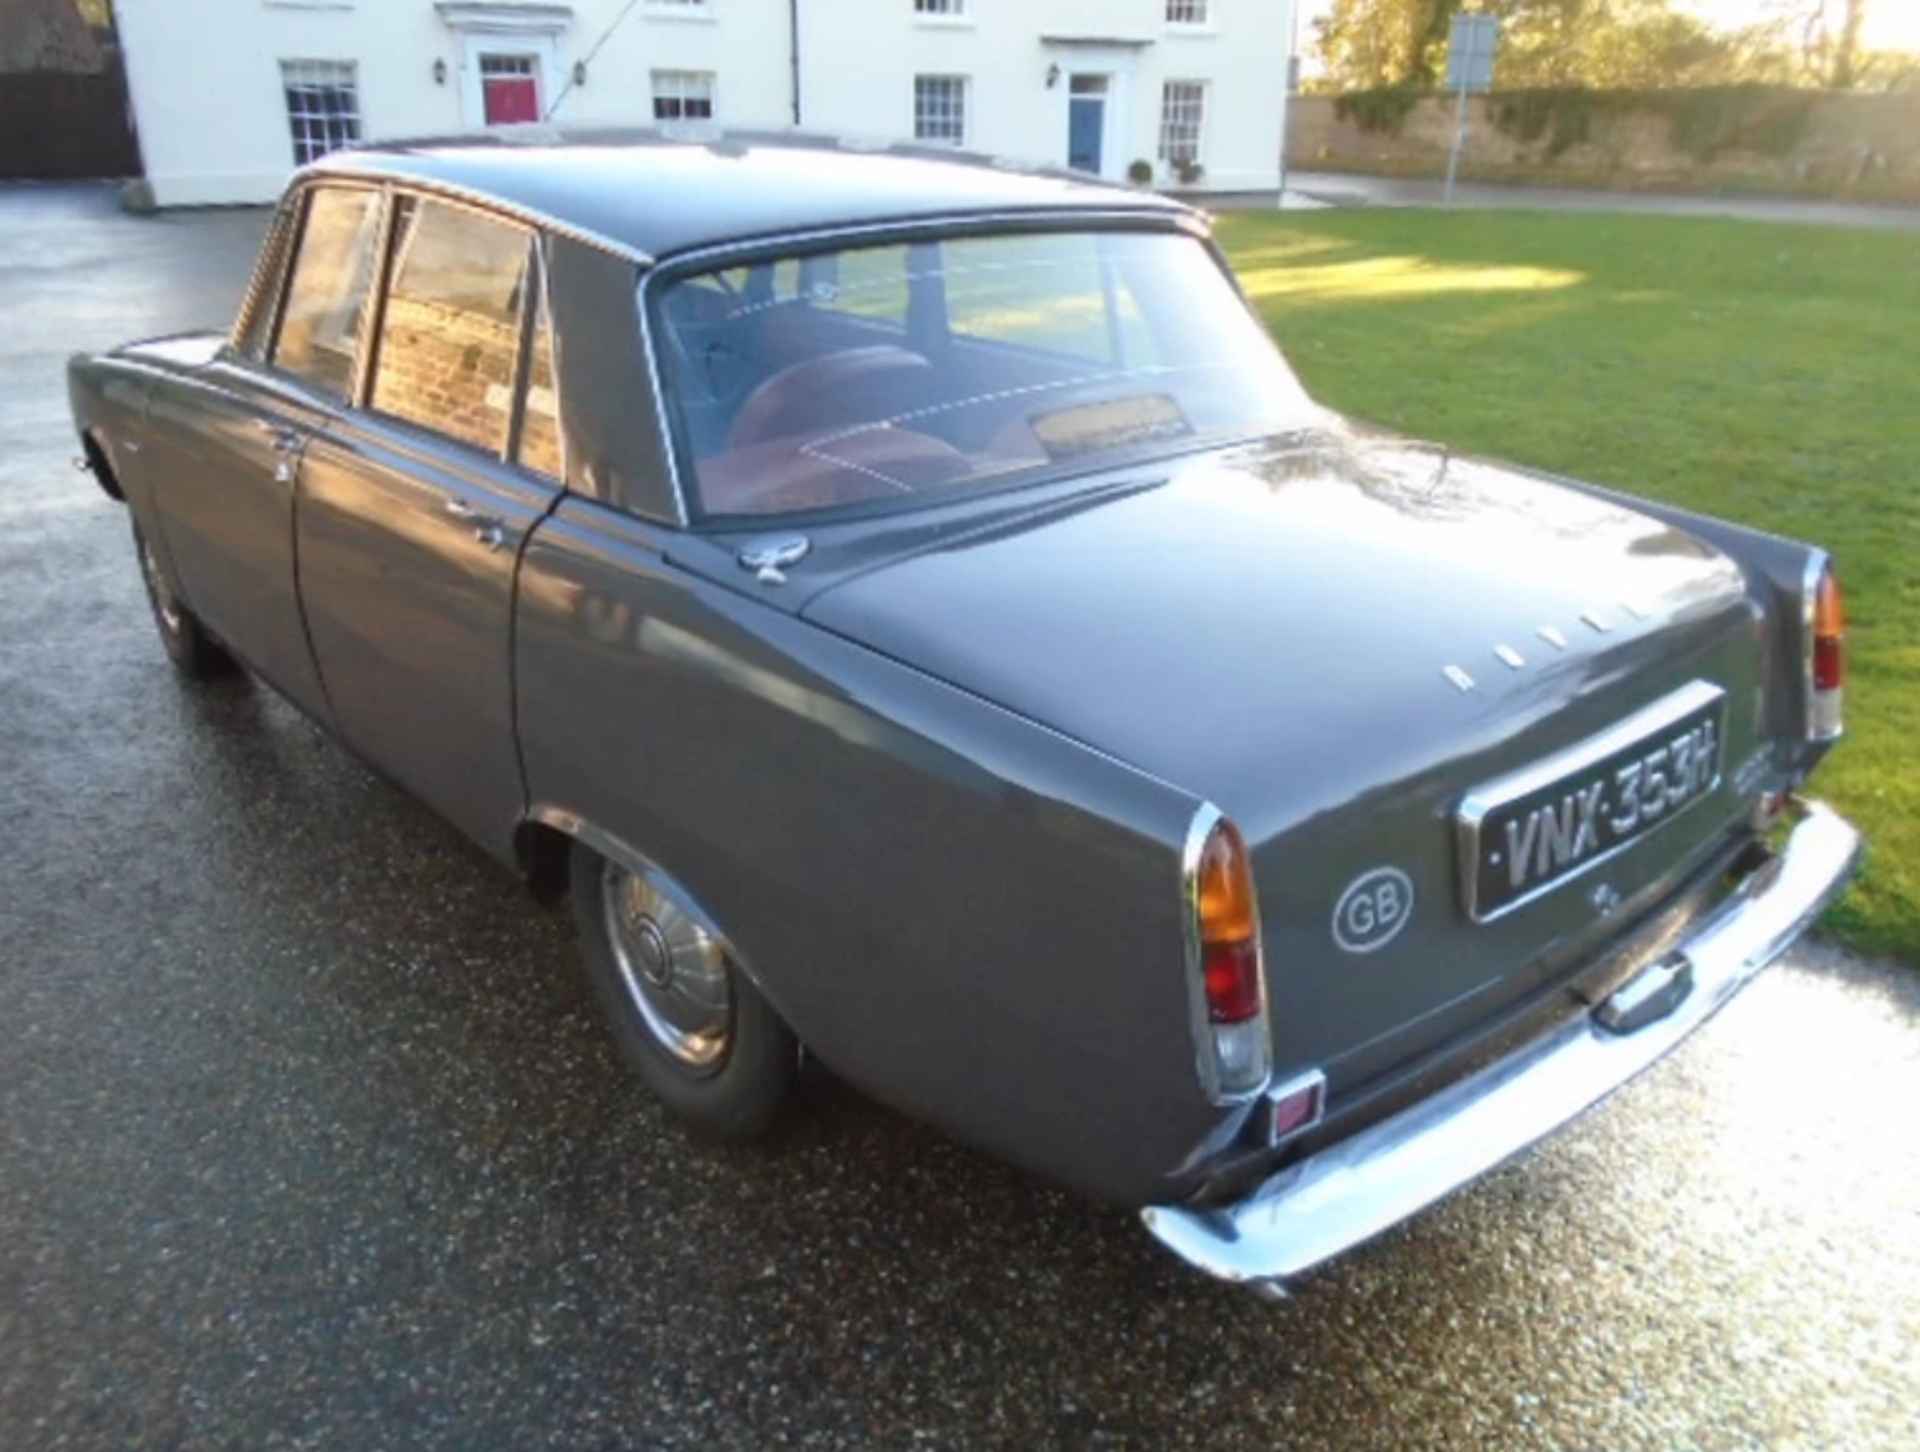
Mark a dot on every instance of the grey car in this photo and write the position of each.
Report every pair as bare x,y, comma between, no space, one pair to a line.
907,605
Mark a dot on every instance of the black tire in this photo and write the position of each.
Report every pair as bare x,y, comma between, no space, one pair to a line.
194,653
717,1055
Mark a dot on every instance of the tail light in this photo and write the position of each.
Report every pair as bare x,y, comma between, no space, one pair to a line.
1229,987
1826,657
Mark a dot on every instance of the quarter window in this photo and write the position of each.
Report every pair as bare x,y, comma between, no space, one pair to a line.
450,332
323,106
940,109
682,95
326,304
1183,109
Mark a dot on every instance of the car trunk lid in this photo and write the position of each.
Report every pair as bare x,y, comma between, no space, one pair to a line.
1338,640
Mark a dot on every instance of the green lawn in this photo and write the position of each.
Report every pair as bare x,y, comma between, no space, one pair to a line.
1765,373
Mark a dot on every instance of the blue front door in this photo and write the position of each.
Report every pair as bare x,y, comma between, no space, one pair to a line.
1086,126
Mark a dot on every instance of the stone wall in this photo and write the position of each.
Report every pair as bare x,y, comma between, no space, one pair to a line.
1842,144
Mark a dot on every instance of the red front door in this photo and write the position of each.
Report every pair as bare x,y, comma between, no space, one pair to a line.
511,97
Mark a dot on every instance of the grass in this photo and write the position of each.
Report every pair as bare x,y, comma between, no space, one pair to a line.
1769,374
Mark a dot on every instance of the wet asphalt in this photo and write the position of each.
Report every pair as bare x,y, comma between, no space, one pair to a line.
310,1137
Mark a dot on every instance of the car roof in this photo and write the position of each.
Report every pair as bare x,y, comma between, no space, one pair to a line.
655,192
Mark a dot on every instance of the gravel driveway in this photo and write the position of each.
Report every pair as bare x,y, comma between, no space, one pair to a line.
312,1138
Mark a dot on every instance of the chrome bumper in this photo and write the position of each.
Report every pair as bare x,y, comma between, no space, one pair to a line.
1352,1190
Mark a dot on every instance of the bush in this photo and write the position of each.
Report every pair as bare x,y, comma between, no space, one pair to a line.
1189,170
1140,173
1384,109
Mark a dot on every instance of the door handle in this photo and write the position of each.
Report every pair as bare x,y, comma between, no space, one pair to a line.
284,440
489,529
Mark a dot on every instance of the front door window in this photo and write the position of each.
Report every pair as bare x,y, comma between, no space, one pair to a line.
510,89
1086,122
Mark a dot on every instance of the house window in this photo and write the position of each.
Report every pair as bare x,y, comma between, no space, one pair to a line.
1183,107
683,95
323,106
510,89
939,7
1186,12
683,6
940,109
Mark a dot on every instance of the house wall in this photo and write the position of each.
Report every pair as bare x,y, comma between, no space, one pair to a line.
206,85
861,59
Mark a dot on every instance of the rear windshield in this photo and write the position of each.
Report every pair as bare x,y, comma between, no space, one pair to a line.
920,369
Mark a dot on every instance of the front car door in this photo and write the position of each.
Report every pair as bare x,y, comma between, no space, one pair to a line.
228,440
414,507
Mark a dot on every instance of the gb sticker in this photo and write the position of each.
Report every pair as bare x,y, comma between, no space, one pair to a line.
1373,910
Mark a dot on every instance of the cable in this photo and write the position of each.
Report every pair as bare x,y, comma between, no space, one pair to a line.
587,60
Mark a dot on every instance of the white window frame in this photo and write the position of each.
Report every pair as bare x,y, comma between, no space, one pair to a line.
940,9
312,73
1175,125
1190,14
683,86
940,98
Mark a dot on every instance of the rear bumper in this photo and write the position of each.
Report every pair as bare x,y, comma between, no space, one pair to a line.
1352,1190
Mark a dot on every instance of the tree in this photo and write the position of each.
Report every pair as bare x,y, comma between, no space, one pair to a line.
1365,44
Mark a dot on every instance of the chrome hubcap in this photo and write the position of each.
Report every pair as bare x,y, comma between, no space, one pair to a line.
164,604
674,971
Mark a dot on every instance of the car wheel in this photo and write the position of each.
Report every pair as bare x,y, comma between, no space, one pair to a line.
688,1022
194,653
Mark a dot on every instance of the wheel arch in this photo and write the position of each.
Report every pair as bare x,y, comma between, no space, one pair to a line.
101,466
546,837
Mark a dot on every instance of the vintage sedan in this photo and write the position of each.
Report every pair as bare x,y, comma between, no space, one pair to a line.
907,604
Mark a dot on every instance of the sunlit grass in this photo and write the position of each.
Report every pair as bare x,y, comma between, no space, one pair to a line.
1769,374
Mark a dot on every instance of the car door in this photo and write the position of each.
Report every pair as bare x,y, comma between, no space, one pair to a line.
227,440
414,506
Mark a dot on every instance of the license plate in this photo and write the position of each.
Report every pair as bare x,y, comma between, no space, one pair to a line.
1529,832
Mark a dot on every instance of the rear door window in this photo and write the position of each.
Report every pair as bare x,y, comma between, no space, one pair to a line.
326,306
450,331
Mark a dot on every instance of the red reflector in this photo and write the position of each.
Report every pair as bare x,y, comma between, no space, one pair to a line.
1299,1109
1233,981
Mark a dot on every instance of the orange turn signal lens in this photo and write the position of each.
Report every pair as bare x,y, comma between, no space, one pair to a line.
1829,635
1226,889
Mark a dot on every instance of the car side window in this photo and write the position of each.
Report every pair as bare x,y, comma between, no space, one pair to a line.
450,331
540,422
254,332
326,304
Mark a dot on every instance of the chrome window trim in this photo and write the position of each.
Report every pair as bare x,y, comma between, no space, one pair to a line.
713,255
1200,827
1642,725
1818,563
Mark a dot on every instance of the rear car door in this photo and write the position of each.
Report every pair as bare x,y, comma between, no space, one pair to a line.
414,508
228,439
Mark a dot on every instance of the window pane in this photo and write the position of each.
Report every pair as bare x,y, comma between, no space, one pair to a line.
683,95
320,331
1182,110
940,108
941,366
540,423
323,106
450,335
1059,294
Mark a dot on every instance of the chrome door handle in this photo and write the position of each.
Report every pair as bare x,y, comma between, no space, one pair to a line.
488,529
285,440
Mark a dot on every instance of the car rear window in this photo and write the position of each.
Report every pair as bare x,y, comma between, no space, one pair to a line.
915,370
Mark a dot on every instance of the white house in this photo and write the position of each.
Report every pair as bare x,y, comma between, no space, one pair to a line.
230,95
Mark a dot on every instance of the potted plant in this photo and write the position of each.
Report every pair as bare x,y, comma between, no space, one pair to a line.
1140,173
